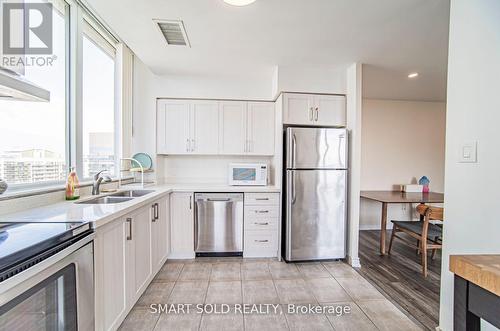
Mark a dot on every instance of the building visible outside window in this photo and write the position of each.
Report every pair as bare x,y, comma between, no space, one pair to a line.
98,105
33,134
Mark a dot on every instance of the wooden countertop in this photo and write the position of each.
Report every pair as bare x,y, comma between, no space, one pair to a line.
482,270
403,197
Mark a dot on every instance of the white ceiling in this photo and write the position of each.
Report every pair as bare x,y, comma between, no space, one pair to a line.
392,37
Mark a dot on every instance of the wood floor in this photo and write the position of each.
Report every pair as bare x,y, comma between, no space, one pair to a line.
399,276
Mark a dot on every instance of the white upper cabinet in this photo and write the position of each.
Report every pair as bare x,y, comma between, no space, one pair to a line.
314,109
330,110
173,127
187,127
260,128
232,127
298,108
207,127
204,127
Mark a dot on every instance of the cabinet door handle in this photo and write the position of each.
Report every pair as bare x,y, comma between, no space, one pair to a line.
190,202
261,241
193,145
262,199
153,219
157,213
187,145
316,114
129,221
311,110
262,211
263,223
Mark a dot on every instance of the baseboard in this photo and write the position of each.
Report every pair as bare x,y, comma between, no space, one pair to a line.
181,256
354,262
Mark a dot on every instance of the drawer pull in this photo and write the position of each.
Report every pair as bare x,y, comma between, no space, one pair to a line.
262,211
266,223
262,199
261,241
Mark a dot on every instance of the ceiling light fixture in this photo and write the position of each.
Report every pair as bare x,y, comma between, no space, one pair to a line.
239,2
413,75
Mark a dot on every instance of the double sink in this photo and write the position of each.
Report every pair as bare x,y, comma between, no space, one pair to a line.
118,197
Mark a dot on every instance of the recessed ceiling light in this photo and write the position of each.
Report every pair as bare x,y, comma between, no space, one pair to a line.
239,2
413,75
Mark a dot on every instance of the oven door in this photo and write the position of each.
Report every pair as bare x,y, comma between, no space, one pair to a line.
55,294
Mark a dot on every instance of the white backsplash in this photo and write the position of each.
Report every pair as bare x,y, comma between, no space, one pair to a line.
203,169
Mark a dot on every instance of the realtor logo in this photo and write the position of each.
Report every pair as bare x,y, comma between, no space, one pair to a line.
27,28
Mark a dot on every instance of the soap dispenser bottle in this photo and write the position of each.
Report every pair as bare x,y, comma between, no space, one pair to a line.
72,185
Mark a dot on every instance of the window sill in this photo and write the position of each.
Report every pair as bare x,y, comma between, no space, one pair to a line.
23,193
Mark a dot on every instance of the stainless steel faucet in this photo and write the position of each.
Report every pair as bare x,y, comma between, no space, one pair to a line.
98,179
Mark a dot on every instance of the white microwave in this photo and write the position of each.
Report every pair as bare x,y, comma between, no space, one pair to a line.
241,174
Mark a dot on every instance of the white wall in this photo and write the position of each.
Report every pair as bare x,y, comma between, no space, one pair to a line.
402,141
258,87
144,111
309,78
354,119
205,168
473,113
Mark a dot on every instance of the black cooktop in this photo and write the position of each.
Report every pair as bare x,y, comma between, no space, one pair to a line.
25,244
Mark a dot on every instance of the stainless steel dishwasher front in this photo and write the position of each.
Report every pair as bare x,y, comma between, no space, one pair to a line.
218,226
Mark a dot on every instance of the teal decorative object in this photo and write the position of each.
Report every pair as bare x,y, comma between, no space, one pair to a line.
144,159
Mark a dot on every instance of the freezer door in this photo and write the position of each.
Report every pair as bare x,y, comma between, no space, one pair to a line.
316,148
315,215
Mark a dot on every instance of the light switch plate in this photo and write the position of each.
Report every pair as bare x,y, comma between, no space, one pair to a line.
468,152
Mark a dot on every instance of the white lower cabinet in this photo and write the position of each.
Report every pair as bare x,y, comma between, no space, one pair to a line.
160,232
182,226
110,265
138,252
261,225
128,253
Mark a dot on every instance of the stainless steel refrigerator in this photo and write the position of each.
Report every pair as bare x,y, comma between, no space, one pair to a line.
315,186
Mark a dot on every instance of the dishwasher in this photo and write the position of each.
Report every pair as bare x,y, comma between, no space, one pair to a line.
218,226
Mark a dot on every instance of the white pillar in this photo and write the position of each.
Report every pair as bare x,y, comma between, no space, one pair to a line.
354,100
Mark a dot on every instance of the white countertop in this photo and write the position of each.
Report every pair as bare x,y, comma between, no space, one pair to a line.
100,214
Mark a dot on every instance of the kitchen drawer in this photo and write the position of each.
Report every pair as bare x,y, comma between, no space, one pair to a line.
261,223
261,211
260,243
262,199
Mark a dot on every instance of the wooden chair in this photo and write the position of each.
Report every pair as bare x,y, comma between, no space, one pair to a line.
428,235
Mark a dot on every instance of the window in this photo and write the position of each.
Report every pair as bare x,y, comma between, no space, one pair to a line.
98,104
40,141
33,134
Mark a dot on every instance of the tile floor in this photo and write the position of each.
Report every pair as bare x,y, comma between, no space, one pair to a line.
233,281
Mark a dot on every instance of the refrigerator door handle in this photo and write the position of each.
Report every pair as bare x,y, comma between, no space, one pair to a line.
294,195
294,149
341,138
288,228
311,114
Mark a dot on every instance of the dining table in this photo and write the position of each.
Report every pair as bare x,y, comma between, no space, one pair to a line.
392,197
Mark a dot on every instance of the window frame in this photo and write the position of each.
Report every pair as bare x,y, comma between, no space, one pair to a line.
77,15
89,26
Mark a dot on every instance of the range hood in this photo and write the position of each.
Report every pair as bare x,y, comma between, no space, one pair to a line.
15,87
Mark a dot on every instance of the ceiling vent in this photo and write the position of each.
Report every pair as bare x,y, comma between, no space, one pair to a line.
174,32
